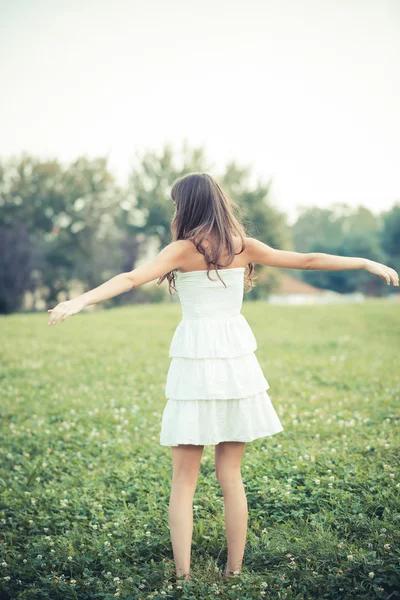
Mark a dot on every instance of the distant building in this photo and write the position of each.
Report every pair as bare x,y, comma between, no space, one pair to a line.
293,291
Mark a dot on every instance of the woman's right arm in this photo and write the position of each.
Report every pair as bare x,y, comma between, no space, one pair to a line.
261,253
169,258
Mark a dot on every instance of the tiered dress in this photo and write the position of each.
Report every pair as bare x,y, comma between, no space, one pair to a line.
215,388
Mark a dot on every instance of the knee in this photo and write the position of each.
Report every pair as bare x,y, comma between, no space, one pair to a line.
185,480
228,477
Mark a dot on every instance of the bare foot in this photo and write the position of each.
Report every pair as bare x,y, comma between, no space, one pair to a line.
229,573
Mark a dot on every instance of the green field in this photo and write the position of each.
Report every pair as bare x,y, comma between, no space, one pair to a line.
85,484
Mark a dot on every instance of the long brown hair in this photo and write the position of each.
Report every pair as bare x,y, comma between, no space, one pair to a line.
204,211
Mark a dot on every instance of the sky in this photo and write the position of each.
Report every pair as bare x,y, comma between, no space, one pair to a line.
304,93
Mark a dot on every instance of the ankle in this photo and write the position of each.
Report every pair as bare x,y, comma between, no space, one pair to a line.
232,573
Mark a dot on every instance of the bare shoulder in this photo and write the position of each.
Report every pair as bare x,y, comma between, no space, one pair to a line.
252,247
174,252
250,242
180,247
266,255
185,245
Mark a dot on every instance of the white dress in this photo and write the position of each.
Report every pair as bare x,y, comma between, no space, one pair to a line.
215,388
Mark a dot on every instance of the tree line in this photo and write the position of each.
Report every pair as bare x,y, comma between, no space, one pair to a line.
64,225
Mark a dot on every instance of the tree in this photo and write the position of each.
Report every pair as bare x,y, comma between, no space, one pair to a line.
69,214
390,236
15,266
261,219
148,210
343,231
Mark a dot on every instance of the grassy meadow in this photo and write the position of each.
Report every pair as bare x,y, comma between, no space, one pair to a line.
85,484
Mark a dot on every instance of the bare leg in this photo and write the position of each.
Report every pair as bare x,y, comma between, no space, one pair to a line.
228,456
186,465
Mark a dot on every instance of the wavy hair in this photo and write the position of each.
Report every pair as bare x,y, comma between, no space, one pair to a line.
204,211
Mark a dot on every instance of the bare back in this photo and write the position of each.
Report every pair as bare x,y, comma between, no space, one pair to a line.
195,261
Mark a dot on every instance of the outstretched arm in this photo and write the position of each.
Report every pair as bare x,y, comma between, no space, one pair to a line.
169,258
261,253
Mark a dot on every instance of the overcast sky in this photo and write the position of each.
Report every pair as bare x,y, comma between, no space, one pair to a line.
306,92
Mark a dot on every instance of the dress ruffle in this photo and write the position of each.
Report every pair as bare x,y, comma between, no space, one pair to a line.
215,387
213,338
204,421
214,378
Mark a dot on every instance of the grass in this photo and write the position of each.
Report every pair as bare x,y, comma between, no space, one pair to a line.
85,484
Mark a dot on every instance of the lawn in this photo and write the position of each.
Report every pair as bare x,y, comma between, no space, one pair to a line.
85,484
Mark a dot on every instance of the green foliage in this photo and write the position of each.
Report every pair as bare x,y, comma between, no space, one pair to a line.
343,231
16,266
69,214
84,228
85,484
261,218
390,235
149,208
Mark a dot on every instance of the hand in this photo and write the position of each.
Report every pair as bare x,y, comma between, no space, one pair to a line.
65,309
383,271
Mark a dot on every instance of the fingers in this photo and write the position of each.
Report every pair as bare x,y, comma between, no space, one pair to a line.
395,277
391,276
59,313
384,272
58,317
386,277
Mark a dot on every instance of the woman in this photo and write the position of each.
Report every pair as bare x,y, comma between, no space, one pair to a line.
215,387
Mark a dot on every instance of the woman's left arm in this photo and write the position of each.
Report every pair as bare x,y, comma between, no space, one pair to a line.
168,259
